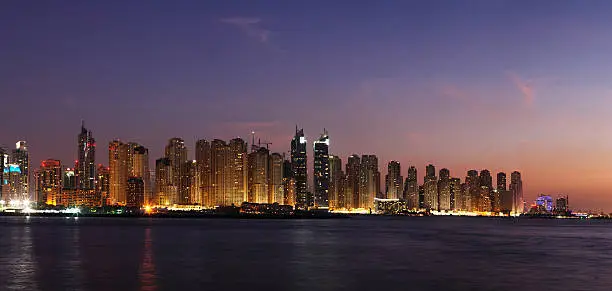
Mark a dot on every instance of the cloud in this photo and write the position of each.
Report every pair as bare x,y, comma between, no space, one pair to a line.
250,26
525,86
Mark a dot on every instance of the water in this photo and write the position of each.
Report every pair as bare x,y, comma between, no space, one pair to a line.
368,253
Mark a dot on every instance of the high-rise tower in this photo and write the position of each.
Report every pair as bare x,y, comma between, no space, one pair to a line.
21,158
49,182
258,173
369,181
321,171
353,169
444,190
118,164
300,169
516,187
411,189
176,152
275,179
430,187
394,181
337,181
86,163
501,181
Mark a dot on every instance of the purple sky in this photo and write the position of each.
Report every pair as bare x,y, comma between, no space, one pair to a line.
502,85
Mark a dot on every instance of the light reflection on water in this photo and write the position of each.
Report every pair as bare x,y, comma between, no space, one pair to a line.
147,268
355,254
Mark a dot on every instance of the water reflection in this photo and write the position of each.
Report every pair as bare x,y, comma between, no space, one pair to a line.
18,266
146,272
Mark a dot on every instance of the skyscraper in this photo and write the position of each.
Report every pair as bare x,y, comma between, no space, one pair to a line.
288,183
165,191
118,164
258,163
86,164
135,192
138,167
369,181
337,181
321,171
275,187
472,197
352,188
394,181
456,194
411,189
49,182
486,191
430,186
229,173
103,184
3,163
501,181
444,190
21,157
516,187
176,152
238,172
300,169
203,166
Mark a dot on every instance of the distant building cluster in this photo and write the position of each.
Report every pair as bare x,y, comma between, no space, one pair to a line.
226,173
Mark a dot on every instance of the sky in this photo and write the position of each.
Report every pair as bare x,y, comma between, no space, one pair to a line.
498,85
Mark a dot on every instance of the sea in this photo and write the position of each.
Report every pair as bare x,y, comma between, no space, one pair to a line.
359,253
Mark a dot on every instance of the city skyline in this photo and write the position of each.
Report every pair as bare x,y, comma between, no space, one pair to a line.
421,83
229,173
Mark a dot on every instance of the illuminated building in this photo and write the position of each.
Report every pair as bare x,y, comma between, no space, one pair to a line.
473,191
258,175
486,181
118,164
300,169
321,171
411,189
544,203
229,172
288,184
516,187
369,181
12,188
238,172
430,187
506,201
389,206
203,165
353,166
275,178
49,182
21,158
3,162
337,181
193,179
165,190
444,190
501,181
69,179
176,153
135,192
394,181
103,184
456,194
562,204
86,164
138,166
421,197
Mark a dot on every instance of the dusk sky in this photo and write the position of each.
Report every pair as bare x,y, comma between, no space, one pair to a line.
498,85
